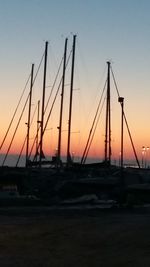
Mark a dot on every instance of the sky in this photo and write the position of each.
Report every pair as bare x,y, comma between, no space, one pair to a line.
114,30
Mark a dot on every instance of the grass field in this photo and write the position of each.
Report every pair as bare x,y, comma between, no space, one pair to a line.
36,237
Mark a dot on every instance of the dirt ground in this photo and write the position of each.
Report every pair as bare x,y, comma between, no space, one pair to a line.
44,237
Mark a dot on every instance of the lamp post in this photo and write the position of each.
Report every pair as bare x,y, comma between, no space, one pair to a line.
143,153
121,101
147,148
144,156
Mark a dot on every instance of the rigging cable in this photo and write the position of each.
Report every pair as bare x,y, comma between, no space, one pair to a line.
49,112
21,113
93,133
15,131
90,133
126,122
54,100
38,69
25,139
53,85
14,113
56,95
20,102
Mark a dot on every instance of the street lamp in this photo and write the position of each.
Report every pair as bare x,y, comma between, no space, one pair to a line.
121,101
144,156
143,153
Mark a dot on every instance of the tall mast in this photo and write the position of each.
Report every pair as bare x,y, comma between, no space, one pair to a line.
71,95
37,134
108,121
43,104
62,100
29,115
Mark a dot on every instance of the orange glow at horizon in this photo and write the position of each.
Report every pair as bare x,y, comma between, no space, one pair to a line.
82,117
79,135
77,148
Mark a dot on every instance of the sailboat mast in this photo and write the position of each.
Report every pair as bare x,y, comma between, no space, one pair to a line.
62,100
108,121
43,104
37,134
71,96
29,115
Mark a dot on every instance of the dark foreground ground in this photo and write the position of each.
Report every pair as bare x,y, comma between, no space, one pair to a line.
36,237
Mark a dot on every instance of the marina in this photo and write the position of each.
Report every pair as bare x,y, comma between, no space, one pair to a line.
74,133
55,181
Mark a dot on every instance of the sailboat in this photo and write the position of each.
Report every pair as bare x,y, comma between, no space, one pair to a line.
82,177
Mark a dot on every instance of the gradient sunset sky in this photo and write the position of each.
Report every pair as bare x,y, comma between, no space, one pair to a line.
114,30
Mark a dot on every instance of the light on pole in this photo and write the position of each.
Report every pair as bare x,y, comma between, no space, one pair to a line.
121,101
144,156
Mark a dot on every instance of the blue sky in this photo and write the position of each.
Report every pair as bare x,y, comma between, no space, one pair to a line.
106,29
113,25
115,30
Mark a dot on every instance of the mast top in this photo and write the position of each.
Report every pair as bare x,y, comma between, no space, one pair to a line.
108,62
